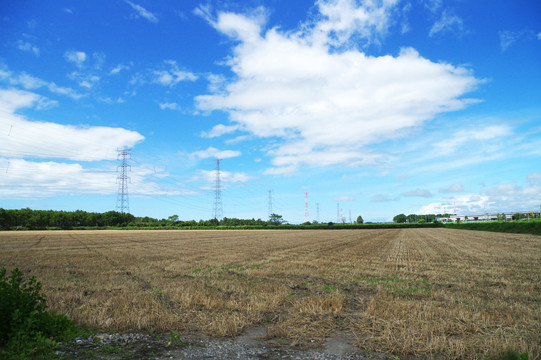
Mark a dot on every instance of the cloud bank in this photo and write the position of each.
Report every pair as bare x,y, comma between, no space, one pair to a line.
324,99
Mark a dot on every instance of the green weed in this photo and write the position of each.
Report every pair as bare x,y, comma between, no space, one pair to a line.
27,330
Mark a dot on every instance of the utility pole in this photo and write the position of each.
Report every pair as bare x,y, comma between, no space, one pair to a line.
122,202
218,210
317,212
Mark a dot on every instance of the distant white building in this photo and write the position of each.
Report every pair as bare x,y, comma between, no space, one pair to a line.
483,217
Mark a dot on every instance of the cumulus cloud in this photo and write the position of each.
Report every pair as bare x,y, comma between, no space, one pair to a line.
461,204
76,57
172,75
142,12
32,179
342,20
212,152
26,46
327,105
50,140
505,197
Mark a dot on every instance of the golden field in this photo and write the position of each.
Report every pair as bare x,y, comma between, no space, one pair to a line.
421,292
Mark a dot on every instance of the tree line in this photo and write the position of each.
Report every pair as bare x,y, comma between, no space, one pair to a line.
29,219
414,218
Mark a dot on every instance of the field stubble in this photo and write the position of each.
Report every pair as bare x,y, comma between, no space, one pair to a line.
419,292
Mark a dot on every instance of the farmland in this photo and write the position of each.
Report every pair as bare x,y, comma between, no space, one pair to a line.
420,292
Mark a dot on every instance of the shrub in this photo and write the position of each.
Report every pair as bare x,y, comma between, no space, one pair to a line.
26,328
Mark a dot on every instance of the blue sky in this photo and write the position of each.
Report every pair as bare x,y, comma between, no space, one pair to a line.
374,107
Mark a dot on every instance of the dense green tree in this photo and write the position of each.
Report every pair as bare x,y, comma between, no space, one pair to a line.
276,219
360,220
400,218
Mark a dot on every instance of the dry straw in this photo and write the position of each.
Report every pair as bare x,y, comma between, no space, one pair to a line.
421,292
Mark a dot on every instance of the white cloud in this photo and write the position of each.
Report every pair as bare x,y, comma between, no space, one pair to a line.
448,22
26,46
343,199
76,57
455,188
382,198
212,152
328,106
284,170
539,36
219,130
473,136
433,5
226,177
50,140
117,69
169,106
534,177
85,80
30,82
418,193
505,197
23,179
172,75
461,204
144,13
507,38
30,179
342,20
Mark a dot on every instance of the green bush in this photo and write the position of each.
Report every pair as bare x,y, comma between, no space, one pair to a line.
27,330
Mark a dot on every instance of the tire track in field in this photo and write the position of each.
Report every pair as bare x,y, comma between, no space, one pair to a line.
15,256
144,284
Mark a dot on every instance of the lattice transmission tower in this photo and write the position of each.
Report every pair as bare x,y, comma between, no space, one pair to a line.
270,204
218,209
306,208
122,201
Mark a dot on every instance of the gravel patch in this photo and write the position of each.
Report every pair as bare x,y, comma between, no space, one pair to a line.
249,346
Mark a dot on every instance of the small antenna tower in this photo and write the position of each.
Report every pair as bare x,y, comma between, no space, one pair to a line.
338,212
317,212
350,221
270,204
218,210
342,220
122,202
306,209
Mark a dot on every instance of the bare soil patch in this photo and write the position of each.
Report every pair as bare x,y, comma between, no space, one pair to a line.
411,292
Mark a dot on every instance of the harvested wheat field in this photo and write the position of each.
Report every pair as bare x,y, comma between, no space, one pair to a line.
420,292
